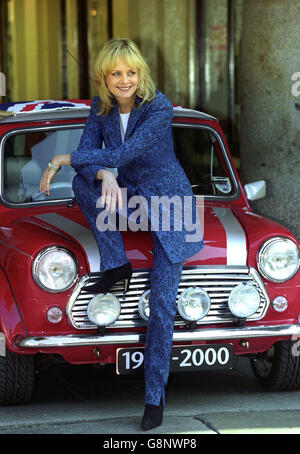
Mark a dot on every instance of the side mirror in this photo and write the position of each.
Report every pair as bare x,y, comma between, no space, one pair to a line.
255,190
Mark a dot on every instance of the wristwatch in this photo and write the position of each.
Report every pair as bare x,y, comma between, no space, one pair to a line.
53,167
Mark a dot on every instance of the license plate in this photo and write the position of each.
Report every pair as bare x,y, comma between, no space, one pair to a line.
183,358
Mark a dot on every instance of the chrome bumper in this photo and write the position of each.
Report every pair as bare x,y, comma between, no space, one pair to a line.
74,340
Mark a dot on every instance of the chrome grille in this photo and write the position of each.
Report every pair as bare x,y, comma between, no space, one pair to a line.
218,281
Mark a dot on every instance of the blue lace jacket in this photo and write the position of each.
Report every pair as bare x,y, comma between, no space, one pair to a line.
147,166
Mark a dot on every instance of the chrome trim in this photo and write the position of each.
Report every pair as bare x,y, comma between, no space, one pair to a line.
73,340
218,281
190,113
235,236
81,234
36,262
261,251
2,345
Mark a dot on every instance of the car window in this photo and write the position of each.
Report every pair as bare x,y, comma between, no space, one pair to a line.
200,154
26,156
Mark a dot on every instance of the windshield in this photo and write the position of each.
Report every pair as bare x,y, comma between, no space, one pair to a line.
26,156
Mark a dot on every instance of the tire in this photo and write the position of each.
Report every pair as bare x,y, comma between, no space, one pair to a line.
17,378
277,369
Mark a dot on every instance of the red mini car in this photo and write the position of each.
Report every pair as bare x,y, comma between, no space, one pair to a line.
238,296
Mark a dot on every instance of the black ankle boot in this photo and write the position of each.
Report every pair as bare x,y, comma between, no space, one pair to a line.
110,277
153,416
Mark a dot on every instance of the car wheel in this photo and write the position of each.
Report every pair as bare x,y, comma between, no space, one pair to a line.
277,369
17,377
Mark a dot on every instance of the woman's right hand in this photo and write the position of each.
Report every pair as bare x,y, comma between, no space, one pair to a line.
47,178
111,192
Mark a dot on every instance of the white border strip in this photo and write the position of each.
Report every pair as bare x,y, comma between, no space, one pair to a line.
81,234
235,237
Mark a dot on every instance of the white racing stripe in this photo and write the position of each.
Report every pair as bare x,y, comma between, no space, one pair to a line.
81,234
235,237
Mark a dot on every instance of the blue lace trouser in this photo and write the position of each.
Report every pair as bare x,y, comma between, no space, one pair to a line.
164,279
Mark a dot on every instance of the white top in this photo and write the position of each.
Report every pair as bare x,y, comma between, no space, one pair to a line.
123,124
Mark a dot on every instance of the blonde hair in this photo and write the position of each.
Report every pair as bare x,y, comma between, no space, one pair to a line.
106,61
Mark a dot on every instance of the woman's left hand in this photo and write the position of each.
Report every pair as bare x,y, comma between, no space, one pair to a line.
49,174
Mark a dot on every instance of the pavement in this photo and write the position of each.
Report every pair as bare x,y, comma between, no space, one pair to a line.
94,400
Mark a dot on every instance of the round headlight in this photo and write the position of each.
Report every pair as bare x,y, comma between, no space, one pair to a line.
244,300
54,269
278,259
193,304
144,308
103,309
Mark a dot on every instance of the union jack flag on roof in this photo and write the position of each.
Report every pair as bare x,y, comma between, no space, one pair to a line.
35,106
